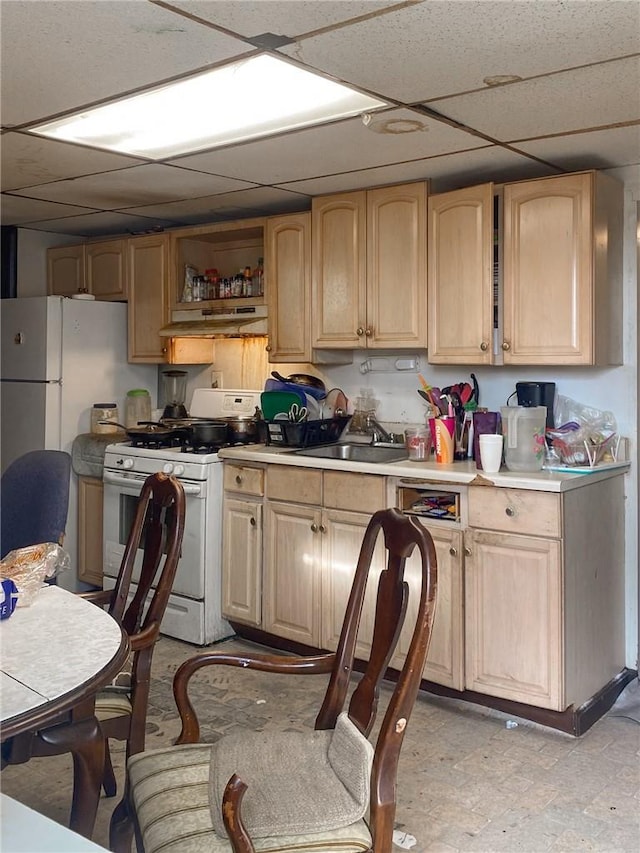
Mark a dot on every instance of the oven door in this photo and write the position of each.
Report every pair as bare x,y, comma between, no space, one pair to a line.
121,493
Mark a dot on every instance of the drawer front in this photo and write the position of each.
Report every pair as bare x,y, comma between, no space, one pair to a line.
357,492
516,511
243,479
296,485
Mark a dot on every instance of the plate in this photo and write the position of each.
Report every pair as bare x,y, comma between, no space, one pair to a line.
335,401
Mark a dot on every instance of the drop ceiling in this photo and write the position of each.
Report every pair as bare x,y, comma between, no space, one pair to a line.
574,105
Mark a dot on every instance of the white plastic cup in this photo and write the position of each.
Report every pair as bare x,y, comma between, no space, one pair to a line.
491,452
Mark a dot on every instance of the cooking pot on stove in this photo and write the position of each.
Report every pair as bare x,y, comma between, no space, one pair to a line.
242,429
208,432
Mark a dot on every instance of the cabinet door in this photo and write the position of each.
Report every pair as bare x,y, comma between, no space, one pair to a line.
338,271
288,271
148,297
291,606
106,269
460,276
397,267
241,560
65,270
445,661
90,502
548,300
514,624
343,533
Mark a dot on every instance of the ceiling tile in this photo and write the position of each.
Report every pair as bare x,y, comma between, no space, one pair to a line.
16,210
151,183
30,160
435,49
254,202
467,168
65,54
341,147
281,17
555,104
96,224
602,149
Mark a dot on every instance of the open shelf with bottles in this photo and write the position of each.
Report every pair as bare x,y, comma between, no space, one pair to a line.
218,266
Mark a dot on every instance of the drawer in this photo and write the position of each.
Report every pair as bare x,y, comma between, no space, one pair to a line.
243,479
357,492
297,485
516,511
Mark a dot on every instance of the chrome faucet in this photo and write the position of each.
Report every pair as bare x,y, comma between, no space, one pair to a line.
377,432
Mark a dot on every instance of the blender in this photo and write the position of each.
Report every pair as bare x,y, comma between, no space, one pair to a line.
174,391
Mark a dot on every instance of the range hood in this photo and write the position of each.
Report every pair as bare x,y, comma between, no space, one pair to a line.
217,323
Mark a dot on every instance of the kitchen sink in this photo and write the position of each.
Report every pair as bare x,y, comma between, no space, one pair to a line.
355,452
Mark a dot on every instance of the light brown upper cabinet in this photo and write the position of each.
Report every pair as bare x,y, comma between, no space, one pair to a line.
288,270
148,259
545,273
369,269
97,268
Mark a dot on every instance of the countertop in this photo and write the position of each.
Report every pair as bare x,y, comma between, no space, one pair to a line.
464,473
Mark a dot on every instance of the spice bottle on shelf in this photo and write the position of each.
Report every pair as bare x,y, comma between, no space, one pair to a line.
247,285
258,279
212,277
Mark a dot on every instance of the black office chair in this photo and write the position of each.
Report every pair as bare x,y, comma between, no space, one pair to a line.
34,496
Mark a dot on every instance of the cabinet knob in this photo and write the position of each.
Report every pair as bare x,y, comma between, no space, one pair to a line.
164,350
359,331
252,521
238,479
453,552
368,332
510,511
484,346
467,552
268,347
314,527
506,346
322,528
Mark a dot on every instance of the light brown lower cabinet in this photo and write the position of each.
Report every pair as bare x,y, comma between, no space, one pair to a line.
90,504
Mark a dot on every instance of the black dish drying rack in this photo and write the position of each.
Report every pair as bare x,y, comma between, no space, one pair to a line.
302,434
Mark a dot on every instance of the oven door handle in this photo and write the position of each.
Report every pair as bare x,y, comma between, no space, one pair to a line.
136,480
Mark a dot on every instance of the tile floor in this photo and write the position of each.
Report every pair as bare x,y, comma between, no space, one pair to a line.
466,781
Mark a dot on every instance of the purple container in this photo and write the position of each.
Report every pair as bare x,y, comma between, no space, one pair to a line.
484,422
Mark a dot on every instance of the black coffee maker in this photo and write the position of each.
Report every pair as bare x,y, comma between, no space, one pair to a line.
538,394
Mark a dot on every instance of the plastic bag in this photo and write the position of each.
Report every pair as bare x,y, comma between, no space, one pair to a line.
583,435
28,567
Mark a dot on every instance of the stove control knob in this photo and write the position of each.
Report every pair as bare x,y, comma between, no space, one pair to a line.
127,463
167,467
178,470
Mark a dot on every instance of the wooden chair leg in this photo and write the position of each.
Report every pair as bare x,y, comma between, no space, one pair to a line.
108,777
121,827
85,741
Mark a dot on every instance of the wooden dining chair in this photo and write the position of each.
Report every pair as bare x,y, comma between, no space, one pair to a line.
304,791
153,546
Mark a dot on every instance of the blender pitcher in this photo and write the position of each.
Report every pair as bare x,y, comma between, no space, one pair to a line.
175,392
523,429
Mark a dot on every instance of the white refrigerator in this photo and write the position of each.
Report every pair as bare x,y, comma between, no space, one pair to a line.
59,356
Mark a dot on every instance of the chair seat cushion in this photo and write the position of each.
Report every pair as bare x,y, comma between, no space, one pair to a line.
297,782
170,792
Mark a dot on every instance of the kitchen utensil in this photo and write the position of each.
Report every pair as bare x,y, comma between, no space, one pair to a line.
149,430
298,413
334,404
301,379
175,392
476,389
273,403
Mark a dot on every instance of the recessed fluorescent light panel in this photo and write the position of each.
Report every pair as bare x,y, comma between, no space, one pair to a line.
245,100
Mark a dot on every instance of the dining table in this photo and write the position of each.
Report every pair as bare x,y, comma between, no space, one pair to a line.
55,655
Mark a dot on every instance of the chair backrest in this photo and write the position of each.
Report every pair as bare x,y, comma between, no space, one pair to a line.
34,499
157,530
402,534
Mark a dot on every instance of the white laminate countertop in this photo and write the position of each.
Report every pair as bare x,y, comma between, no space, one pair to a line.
464,473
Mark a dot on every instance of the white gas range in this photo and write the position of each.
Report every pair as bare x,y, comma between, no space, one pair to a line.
194,612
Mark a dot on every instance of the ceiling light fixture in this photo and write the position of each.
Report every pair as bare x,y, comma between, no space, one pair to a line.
244,100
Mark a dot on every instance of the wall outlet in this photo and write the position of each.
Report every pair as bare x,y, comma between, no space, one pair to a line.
216,379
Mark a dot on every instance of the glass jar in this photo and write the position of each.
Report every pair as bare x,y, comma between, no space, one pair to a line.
137,407
104,412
